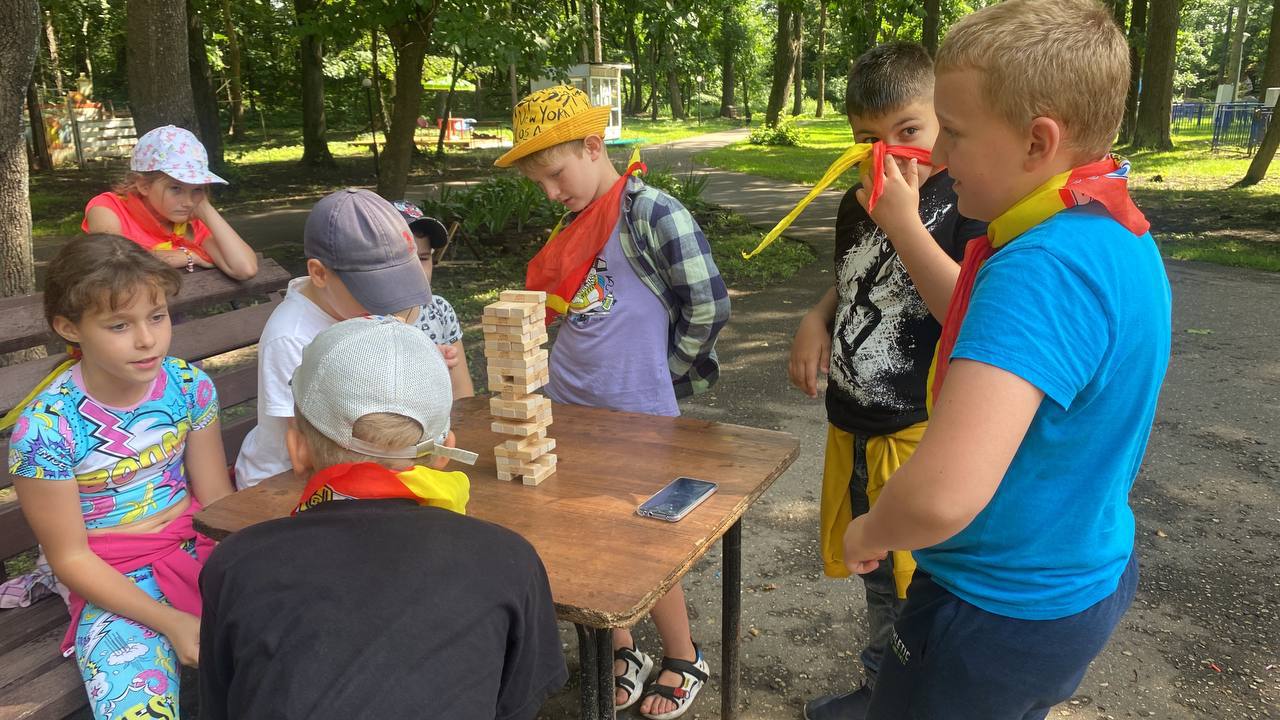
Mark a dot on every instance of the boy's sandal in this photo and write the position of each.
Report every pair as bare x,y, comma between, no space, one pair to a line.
693,675
638,666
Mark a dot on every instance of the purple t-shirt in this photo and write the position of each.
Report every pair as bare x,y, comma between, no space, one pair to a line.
611,350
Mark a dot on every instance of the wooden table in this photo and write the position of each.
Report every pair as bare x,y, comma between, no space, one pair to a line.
607,565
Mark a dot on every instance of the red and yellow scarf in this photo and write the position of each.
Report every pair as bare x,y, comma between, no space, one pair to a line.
1105,182
855,155
371,481
561,266
159,237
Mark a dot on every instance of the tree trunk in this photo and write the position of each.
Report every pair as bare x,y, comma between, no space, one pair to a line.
377,81
730,35
746,98
1152,127
822,58
1237,48
584,20
784,61
18,47
1266,153
411,39
55,63
315,145
203,93
1271,71
655,52
597,48
448,108
1137,43
932,20
797,25
637,87
233,69
515,86
159,74
673,82
41,160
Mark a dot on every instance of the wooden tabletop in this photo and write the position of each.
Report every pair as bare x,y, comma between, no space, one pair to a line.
607,565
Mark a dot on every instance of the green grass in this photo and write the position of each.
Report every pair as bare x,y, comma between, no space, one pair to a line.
1186,192
665,130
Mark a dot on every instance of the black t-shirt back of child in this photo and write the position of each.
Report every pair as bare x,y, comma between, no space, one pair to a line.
883,338
377,609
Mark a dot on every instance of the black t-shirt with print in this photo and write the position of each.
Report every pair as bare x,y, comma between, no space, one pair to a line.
884,337
377,609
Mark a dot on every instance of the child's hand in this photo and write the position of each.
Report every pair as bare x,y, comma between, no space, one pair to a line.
898,208
810,353
858,556
450,354
178,259
183,633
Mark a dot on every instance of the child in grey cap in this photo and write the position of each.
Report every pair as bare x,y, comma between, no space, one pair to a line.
379,597
361,260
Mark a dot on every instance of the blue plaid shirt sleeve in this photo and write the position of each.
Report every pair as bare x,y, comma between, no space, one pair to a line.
696,292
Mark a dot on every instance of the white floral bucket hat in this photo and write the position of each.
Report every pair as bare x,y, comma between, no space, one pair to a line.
176,152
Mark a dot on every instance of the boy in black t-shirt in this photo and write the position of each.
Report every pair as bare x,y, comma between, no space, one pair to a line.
379,598
874,334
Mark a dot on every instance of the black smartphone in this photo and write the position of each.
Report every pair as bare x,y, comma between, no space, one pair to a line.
676,499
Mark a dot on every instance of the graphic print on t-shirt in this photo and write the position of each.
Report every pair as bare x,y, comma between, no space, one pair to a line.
595,298
874,342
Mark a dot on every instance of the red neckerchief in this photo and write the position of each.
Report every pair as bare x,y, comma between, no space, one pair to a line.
561,266
142,214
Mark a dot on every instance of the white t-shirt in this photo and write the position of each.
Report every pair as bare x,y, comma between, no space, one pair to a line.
290,328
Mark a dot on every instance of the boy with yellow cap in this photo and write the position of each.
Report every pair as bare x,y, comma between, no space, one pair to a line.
642,300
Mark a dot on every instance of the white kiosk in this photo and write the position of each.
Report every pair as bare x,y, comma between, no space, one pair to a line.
602,82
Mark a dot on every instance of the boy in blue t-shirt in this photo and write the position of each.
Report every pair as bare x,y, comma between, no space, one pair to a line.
1048,370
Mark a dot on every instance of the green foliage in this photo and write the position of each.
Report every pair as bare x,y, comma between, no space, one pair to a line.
487,210
686,188
731,235
785,133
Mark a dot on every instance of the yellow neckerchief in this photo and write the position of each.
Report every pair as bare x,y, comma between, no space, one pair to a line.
11,417
371,481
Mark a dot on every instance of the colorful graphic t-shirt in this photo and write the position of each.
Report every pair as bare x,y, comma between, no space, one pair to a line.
883,338
611,348
126,461
440,322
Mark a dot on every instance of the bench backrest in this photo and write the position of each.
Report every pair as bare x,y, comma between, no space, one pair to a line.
22,326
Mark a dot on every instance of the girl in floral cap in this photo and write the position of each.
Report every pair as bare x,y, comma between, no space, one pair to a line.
163,205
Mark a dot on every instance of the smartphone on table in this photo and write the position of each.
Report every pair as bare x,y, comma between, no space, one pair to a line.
677,499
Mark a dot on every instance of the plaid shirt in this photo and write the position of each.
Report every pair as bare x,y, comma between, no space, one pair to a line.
672,258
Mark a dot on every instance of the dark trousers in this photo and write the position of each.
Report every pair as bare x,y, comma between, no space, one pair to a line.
883,604
950,660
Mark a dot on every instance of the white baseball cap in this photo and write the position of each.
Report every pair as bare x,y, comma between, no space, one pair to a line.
376,365
176,152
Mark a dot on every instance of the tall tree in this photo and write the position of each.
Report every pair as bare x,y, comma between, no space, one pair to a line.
315,146
1152,126
797,31
932,21
410,38
730,40
784,61
1137,46
159,75
41,160
822,57
673,77
203,93
1271,68
1271,78
18,48
597,48
233,70
1237,48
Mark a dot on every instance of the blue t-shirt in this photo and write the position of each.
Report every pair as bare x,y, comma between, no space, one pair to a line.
1079,307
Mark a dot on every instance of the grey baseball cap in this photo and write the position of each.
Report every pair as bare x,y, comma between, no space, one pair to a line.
376,365
363,239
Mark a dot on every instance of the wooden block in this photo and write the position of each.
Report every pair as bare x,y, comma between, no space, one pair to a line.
525,408
523,429
531,358
543,472
514,333
518,349
525,450
505,309
524,321
511,388
507,448
517,374
523,296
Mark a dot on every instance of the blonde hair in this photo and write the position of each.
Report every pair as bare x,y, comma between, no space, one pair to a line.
129,183
1061,59
386,430
546,156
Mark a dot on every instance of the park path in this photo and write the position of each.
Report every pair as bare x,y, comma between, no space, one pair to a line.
1203,637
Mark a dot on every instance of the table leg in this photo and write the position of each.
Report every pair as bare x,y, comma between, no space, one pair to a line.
731,619
604,658
588,673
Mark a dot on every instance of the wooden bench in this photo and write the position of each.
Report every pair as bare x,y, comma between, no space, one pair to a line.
35,680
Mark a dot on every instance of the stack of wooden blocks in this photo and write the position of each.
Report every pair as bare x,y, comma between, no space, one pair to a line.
514,331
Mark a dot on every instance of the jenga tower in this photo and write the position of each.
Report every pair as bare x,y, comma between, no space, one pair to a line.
514,331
